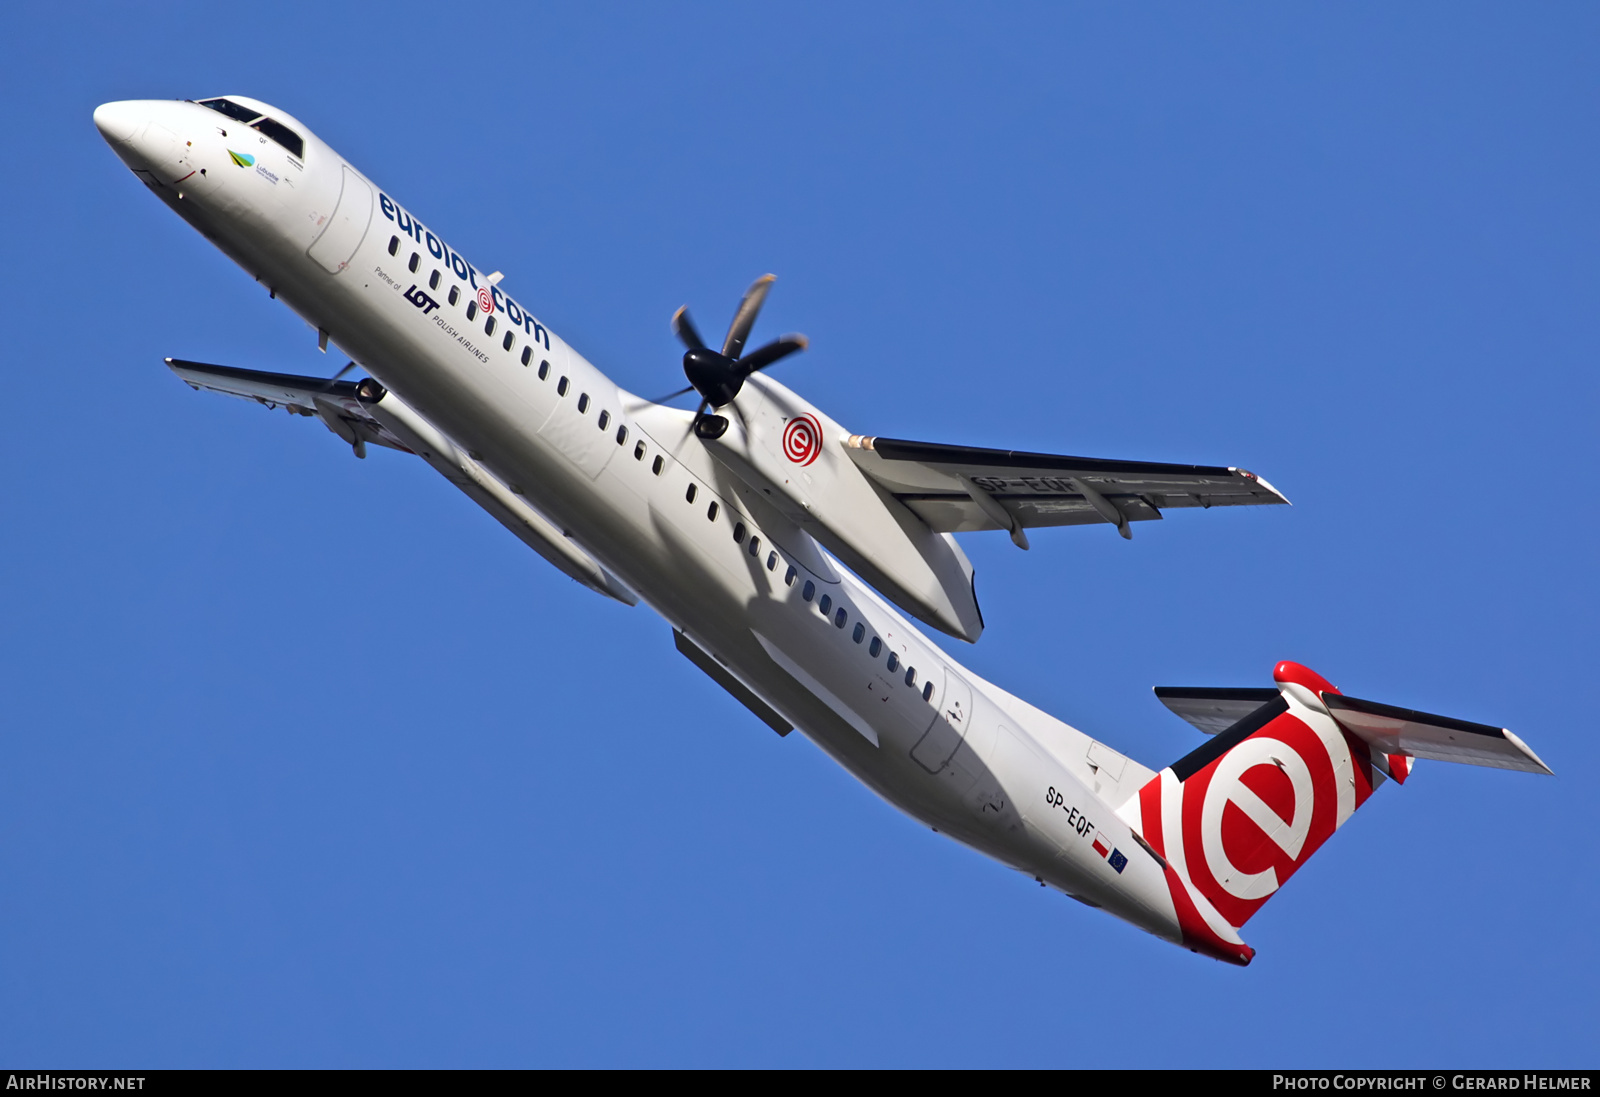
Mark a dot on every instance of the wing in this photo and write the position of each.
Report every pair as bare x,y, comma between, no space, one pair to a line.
334,402
955,489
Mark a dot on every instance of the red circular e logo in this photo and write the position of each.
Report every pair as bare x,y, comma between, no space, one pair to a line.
802,440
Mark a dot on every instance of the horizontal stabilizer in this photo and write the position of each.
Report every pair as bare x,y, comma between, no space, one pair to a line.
1214,709
1392,730
956,489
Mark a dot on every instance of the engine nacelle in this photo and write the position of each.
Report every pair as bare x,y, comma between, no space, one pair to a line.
793,454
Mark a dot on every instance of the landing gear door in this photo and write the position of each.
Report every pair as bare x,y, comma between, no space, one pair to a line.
938,744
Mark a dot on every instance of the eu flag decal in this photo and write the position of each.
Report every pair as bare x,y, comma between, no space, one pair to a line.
1117,860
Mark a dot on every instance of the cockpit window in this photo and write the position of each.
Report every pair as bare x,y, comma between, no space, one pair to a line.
282,134
236,111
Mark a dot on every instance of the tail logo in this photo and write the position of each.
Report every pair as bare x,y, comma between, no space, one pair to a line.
1227,787
1237,828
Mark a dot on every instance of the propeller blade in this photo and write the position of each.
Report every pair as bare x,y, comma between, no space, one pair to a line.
673,395
745,318
684,329
328,384
764,356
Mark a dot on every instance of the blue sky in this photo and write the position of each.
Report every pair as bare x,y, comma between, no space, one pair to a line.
303,761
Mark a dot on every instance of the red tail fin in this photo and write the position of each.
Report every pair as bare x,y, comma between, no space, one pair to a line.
1237,817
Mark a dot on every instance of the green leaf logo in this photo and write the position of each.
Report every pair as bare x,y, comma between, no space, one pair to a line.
240,159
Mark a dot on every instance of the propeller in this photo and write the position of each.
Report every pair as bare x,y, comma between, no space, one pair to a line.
327,386
718,376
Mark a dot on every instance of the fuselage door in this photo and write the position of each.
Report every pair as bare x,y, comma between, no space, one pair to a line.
345,230
954,713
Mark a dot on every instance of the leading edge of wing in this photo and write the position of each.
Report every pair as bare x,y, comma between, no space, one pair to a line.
941,453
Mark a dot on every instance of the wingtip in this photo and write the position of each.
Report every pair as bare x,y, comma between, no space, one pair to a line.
1261,481
1527,750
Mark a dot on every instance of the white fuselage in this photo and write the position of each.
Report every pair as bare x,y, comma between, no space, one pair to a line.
965,757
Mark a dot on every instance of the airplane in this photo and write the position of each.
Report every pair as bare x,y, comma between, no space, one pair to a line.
789,555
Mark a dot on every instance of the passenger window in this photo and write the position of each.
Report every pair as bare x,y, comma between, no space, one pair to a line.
691,493
809,591
605,419
282,134
527,355
657,465
511,337
772,560
825,603
433,280
394,244
738,533
416,261
561,387
875,647
638,451
894,661
544,365
911,676
488,326
711,511
622,435
927,691
788,576
755,546
455,294
840,618
583,402
472,309
861,630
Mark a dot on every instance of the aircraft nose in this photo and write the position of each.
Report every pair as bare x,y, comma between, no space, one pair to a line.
118,122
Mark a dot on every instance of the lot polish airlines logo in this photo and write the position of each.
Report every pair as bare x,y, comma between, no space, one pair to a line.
420,299
802,440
